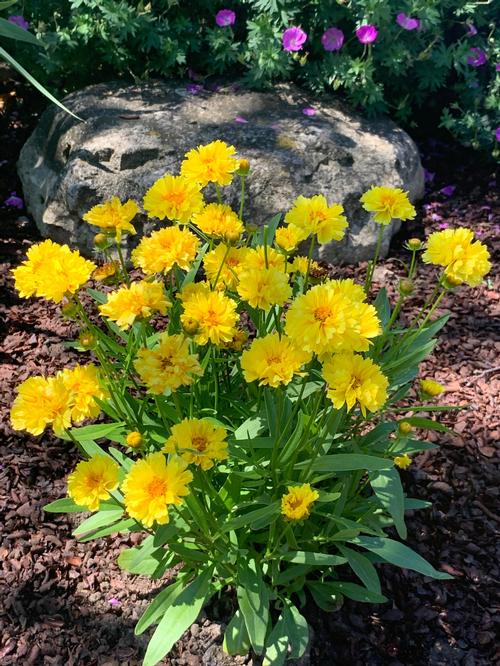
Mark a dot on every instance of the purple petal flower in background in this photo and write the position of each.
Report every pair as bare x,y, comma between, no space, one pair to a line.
367,33
443,225
429,176
14,201
19,21
476,57
194,88
225,18
497,133
497,66
114,601
407,22
472,30
309,111
448,190
293,39
332,39
241,120
436,217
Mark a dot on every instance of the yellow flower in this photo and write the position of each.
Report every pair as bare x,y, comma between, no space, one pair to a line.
273,360
198,441
431,388
260,257
464,259
403,462
173,197
314,216
41,402
164,249
299,265
106,271
167,366
212,163
287,238
134,439
238,341
216,316
140,299
226,262
51,271
263,288
92,481
220,221
296,504
113,215
191,290
84,384
331,318
152,484
352,378
388,203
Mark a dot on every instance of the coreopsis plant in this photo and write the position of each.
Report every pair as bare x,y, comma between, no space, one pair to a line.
251,407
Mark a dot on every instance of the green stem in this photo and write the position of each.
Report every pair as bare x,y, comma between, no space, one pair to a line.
371,268
309,260
219,193
122,263
242,200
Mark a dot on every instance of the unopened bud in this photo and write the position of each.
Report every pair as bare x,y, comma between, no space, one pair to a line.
405,287
251,228
69,310
134,439
101,241
190,326
232,236
415,244
404,427
243,168
87,340
449,282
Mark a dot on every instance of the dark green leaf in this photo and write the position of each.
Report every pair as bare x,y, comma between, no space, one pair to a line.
387,486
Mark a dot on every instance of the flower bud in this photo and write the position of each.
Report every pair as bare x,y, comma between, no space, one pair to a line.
101,241
431,388
415,244
87,340
404,427
405,287
251,228
190,326
244,167
69,310
449,283
134,439
232,236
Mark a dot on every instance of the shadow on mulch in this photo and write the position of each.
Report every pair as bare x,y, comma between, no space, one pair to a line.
65,603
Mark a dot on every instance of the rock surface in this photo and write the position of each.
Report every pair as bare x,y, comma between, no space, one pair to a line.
134,134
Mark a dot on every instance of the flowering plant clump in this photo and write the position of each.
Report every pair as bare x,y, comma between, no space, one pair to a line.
251,410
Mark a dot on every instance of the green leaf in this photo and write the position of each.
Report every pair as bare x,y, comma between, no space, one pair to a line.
250,428
296,629
191,274
387,486
277,644
427,424
236,640
158,606
317,559
400,555
346,462
99,431
252,516
125,525
13,31
363,568
324,597
143,559
179,616
357,592
253,600
383,307
100,519
64,505
34,82
7,3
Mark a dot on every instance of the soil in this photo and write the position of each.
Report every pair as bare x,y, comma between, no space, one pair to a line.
65,603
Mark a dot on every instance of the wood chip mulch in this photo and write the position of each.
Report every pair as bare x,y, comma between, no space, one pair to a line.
68,604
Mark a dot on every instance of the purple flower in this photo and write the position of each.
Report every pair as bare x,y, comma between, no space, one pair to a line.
367,33
497,66
225,18
240,120
194,88
443,225
472,30
19,21
14,201
476,57
293,39
114,601
309,111
448,190
407,22
332,39
436,217
429,176
497,133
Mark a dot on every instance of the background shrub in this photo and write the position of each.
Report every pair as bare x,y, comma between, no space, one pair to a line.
410,74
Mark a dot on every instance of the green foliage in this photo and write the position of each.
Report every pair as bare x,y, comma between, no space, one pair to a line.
404,73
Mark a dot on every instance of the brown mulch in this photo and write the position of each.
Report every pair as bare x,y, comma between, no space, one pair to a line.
65,603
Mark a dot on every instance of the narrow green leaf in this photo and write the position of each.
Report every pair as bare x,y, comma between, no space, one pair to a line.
346,462
158,606
13,31
64,505
427,424
99,431
387,486
363,568
179,616
357,592
100,519
277,644
125,525
7,3
252,516
383,307
296,629
236,640
307,557
253,600
400,555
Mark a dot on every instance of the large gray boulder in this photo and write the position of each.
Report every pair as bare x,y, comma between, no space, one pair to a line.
132,135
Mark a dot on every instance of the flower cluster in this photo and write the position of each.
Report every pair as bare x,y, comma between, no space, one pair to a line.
246,391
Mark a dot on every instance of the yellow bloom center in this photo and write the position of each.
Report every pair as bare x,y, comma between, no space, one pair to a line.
199,443
157,487
322,313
